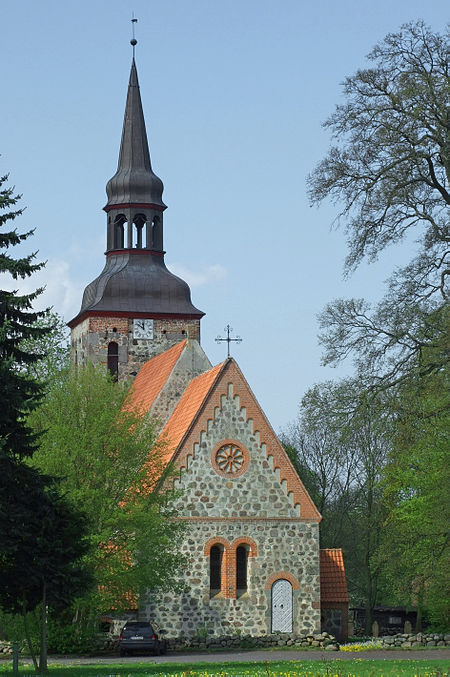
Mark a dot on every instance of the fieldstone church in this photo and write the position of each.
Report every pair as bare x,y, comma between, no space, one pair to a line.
253,539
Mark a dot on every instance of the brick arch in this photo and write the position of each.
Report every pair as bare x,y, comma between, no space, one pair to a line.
217,540
282,574
245,540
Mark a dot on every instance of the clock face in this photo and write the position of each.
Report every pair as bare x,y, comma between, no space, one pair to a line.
142,328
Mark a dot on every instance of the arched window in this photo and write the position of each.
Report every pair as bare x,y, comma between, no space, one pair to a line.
241,569
119,230
215,570
139,222
155,244
113,359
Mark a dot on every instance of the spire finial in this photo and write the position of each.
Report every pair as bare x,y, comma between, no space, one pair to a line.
133,41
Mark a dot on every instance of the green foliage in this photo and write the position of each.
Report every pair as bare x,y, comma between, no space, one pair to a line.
19,393
307,476
295,668
389,169
41,536
415,553
52,348
13,629
48,563
105,455
341,439
63,636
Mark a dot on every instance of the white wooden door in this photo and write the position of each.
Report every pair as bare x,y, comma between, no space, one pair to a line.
281,606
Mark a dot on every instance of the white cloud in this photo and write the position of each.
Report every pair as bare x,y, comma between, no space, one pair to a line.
61,292
201,276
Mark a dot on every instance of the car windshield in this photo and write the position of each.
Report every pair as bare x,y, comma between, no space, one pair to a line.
137,627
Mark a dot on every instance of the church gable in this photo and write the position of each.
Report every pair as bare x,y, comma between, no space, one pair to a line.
230,460
228,474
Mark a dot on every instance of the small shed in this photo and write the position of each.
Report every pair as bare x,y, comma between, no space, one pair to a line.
333,594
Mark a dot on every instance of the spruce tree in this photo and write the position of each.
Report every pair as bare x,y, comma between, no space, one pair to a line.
19,392
43,538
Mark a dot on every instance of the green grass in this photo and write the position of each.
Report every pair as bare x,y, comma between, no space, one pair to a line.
303,668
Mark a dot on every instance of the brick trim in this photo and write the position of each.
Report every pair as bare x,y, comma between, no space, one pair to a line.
228,577
294,520
282,574
134,205
217,540
245,540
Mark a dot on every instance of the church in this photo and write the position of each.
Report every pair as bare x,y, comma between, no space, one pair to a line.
252,536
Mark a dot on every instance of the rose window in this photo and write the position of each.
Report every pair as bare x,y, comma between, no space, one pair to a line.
229,458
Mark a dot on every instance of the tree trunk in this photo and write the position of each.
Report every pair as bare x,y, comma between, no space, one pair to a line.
27,637
43,655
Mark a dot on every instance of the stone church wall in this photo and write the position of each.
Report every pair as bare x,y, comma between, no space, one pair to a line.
252,507
283,547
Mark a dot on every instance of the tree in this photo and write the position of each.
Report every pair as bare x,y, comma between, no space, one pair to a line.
47,570
109,462
390,170
415,549
41,537
19,392
342,438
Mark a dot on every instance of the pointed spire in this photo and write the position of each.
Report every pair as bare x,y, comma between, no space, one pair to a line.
134,182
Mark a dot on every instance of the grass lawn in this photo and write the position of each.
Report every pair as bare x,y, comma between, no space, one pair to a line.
297,668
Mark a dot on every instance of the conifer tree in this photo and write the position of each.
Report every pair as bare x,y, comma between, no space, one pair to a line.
42,536
19,392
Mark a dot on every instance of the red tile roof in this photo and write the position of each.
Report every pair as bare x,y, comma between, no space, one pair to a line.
333,586
187,408
152,376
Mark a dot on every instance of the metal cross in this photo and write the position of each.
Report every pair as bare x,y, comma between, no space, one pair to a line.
228,339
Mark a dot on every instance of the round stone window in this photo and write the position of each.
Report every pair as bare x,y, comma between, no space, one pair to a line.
230,458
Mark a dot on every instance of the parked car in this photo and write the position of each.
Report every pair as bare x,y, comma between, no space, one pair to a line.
140,636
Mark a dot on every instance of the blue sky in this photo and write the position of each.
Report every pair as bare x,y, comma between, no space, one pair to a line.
234,93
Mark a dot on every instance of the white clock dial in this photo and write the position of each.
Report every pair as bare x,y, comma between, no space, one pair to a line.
142,328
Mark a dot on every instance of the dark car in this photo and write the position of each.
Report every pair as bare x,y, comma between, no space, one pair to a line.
140,636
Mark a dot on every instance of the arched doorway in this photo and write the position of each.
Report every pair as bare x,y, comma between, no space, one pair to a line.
282,606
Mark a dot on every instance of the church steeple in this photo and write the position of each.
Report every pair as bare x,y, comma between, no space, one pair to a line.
134,192
136,307
135,180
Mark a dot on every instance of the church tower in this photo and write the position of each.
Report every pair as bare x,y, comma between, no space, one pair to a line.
136,308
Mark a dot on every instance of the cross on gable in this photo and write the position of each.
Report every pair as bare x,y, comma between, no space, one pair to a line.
228,338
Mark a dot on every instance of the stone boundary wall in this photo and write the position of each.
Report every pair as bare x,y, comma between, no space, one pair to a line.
406,641
322,640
